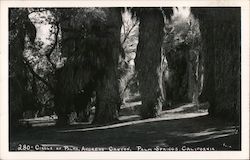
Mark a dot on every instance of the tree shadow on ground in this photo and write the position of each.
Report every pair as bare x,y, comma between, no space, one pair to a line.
192,131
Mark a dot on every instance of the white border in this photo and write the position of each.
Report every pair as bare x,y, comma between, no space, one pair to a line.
5,154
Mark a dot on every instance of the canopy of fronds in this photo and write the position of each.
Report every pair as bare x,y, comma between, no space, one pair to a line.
182,29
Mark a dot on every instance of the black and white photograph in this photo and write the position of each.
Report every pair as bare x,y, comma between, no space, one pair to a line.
127,78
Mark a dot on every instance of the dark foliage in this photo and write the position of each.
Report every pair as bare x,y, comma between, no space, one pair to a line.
90,40
20,84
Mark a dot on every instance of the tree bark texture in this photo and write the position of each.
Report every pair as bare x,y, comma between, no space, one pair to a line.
194,67
108,98
177,76
19,27
221,29
148,61
91,41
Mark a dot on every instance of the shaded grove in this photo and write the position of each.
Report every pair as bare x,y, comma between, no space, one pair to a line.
94,60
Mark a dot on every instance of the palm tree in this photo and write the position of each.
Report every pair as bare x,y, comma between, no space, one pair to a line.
221,30
149,59
91,41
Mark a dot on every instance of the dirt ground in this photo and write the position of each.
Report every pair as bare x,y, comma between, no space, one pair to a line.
180,129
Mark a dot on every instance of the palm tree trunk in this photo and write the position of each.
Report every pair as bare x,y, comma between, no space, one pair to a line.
148,61
108,99
220,29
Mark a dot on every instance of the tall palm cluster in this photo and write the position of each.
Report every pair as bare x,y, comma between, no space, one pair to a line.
79,59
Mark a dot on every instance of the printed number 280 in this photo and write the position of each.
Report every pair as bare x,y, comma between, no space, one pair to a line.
23,147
